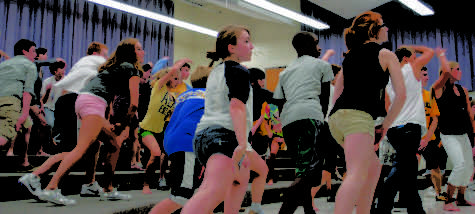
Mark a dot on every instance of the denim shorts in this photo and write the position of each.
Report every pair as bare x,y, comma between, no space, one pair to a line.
214,140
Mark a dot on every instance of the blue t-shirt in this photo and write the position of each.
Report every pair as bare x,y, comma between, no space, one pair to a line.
189,108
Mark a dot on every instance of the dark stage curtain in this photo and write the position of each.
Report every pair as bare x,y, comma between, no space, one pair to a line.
66,27
447,29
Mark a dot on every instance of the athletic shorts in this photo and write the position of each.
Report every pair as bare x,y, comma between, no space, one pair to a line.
88,104
214,140
260,143
158,137
349,121
184,177
305,140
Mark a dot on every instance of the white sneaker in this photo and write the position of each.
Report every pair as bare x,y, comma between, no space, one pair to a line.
114,195
430,191
55,197
32,183
162,182
91,190
256,209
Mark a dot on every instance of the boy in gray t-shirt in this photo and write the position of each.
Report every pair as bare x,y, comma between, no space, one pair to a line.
305,85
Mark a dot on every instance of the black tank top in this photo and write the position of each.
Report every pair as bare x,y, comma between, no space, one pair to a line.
364,81
454,118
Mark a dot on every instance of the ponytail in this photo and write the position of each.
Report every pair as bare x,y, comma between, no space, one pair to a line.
213,55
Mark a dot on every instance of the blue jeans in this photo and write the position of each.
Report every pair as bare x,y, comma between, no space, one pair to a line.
403,176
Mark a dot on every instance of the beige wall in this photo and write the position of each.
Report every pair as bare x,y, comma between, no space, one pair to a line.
272,40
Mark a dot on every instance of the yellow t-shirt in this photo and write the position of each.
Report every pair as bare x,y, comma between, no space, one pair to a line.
262,128
161,106
430,106
179,89
175,92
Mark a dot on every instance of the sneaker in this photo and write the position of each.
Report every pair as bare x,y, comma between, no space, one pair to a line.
162,182
91,190
430,191
55,197
32,183
114,195
440,198
451,207
465,203
256,209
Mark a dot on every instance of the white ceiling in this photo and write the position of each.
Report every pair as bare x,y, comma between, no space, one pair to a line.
344,8
349,8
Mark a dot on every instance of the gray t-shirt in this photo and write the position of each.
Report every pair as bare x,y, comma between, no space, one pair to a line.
300,84
226,81
114,81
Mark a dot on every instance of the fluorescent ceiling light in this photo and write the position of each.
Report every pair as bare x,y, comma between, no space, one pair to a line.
418,7
155,16
288,13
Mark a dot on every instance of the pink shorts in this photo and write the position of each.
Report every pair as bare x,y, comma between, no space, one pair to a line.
88,104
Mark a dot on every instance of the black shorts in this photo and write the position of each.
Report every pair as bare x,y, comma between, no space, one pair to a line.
260,143
185,176
214,140
434,155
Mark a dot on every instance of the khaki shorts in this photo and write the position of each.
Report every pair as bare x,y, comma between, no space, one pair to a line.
10,111
349,121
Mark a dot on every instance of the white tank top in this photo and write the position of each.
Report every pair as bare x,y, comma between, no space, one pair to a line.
413,109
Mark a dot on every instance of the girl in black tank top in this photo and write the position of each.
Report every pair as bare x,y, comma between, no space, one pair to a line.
365,90
455,125
360,95
454,118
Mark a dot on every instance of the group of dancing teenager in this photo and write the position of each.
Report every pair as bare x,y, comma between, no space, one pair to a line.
377,96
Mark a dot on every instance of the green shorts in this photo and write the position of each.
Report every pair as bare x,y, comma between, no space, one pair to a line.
349,121
158,137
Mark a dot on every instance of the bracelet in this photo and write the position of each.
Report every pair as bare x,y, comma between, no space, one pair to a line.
442,54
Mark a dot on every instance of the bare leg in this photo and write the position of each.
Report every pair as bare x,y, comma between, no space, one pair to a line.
236,193
259,166
166,206
151,143
436,179
366,195
49,163
12,145
27,142
217,181
90,129
358,150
